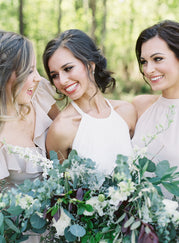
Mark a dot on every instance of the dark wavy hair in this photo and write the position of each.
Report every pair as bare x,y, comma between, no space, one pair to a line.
166,30
84,49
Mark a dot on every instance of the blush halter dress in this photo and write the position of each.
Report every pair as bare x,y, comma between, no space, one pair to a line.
166,144
14,169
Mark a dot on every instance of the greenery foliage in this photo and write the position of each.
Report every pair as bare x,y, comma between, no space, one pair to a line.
76,203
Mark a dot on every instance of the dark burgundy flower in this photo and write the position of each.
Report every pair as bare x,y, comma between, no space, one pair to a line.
150,237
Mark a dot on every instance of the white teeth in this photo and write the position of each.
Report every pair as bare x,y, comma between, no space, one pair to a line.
69,89
156,78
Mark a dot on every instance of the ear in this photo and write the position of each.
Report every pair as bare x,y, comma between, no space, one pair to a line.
93,65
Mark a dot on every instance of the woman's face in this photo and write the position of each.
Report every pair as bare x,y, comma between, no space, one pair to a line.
29,86
69,74
160,66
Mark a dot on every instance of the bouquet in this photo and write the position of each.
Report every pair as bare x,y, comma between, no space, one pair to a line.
74,202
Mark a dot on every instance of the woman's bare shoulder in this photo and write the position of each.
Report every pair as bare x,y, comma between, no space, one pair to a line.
122,105
62,130
63,121
127,111
143,102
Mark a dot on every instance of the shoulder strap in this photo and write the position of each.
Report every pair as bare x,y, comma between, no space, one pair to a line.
109,103
77,108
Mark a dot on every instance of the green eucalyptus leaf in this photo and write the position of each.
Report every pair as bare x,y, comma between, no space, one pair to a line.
129,222
39,231
24,225
68,235
121,159
150,165
37,222
121,218
53,155
77,230
162,167
135,225
171,187
11,225
133,237
15,210
1,219
68,214
80,210
1,223
2,239
154,180
72,154
172,231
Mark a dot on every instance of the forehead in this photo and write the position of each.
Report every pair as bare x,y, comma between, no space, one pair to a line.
154,45
61,56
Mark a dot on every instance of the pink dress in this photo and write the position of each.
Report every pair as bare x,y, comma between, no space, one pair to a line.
166,144
16,170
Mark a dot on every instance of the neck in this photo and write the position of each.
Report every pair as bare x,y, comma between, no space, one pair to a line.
94,104
171,94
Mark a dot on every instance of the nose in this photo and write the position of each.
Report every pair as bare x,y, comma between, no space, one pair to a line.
149,69
63,79
37,76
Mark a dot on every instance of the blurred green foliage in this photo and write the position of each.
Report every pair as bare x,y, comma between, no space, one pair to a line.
114,26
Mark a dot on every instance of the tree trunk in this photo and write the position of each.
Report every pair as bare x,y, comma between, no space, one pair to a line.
21,23
103,30
59,16
92,5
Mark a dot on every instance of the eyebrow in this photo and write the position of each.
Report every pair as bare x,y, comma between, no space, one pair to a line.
62,66
157,53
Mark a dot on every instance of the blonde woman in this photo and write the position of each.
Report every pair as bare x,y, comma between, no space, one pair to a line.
27,108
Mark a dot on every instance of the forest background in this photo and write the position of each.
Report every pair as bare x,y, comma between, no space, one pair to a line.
113,24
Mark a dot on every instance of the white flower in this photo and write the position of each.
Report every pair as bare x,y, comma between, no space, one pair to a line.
36,158
139,151
24,201
127,187
116,196
121,193
145,213
2,204
171,208
97,205
63,222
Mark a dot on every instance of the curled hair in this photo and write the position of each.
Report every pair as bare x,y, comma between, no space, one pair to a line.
166,30
84,49
16,53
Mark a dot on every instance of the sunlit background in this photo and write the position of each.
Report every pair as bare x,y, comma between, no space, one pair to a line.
113,24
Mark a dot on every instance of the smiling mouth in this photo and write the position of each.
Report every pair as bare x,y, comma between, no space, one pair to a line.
71,88
156,78
30,91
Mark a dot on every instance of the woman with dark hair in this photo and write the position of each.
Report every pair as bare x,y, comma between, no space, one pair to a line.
94,126
157,51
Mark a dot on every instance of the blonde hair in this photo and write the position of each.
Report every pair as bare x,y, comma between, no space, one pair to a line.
16,54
